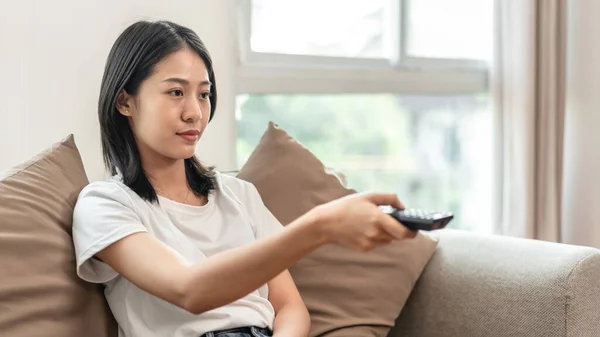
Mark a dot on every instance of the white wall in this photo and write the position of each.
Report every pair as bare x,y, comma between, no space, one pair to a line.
52,55
582,136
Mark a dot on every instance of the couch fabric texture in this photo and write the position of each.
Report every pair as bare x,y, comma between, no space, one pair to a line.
480,285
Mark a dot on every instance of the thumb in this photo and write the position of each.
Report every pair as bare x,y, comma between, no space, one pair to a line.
384,199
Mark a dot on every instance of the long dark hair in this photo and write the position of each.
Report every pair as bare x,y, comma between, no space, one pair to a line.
130,61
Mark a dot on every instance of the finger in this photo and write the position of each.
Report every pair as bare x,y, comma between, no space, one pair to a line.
383,236
365,245
384,241
411,234
381,199
393,227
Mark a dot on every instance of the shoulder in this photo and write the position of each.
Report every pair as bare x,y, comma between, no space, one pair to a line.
109,194
240,190
239,187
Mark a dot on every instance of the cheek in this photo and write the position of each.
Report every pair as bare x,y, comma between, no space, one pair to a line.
164,107
206,111
152,117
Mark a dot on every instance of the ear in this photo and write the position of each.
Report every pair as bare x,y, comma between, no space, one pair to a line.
124,103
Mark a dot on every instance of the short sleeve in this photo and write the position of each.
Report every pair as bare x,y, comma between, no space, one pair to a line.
103,215
265,223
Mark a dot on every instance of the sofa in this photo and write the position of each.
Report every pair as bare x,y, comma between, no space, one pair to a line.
463,284
490,285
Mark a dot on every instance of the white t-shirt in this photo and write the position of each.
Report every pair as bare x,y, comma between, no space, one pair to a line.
235,215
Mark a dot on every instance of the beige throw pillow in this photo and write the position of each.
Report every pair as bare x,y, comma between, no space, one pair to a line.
40,293
348,293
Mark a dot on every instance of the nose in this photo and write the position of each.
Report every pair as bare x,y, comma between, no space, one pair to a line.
192,111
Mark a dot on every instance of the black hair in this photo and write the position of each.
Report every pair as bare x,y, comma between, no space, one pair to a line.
131,60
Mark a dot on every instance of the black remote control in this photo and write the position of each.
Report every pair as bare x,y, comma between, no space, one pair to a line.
418,219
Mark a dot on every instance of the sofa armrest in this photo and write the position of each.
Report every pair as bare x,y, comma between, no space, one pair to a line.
477,285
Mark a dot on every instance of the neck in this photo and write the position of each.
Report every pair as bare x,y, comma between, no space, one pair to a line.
168,177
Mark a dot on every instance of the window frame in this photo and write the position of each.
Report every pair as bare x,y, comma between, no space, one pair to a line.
271,73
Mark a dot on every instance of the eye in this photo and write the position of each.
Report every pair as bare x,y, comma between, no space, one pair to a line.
205,95
176,92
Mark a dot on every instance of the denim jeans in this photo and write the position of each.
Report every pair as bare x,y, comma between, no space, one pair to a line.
251,331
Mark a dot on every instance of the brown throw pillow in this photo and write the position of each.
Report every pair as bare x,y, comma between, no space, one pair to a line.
348,293
40,293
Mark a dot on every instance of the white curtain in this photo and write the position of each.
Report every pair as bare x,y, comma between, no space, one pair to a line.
581,215
528,81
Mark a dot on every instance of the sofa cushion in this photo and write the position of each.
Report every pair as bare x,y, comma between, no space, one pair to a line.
40,293
347,293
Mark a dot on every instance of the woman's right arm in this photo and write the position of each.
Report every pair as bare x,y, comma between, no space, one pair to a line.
354,221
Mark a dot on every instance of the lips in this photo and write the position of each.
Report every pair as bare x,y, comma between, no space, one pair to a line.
190,135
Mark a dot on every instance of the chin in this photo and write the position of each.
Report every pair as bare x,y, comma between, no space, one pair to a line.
188,155
177,150
184,154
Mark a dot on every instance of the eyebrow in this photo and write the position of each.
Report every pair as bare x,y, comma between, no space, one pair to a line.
184,81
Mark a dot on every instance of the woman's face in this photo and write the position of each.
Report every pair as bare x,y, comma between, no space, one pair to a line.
171,109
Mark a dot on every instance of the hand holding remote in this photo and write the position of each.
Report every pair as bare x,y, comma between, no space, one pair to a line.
418,219
356,221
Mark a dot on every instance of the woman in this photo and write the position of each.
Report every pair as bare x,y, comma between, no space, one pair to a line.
181,249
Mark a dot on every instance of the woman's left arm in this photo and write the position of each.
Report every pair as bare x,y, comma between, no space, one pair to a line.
291,315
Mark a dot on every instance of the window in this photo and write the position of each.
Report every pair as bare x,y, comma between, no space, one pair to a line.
457,29
281,27
392,93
